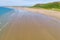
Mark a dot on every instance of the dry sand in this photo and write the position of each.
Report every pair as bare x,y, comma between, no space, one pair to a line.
51,13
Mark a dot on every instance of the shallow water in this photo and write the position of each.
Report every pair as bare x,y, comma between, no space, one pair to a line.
4,10
4,14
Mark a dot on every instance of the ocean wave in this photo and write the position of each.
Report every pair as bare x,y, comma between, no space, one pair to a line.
4,10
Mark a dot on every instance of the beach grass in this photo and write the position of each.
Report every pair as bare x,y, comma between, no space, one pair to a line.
51,6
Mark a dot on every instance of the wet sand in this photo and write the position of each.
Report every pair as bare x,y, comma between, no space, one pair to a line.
51,13
26,25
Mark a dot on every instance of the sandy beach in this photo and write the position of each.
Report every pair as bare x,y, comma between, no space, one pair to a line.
30,24
51,13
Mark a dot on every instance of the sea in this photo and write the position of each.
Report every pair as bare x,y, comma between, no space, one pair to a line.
4,10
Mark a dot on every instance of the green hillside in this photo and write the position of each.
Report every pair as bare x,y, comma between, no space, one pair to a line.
48,5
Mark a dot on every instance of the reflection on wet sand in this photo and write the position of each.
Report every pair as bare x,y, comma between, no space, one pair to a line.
30,26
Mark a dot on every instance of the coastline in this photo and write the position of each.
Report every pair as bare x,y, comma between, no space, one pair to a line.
25,26
50,13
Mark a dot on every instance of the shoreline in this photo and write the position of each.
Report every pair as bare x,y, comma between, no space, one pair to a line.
50,13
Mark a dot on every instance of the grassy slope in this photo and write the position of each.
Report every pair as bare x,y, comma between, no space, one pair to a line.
53,6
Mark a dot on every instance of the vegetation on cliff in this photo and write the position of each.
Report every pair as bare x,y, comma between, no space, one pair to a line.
55,5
